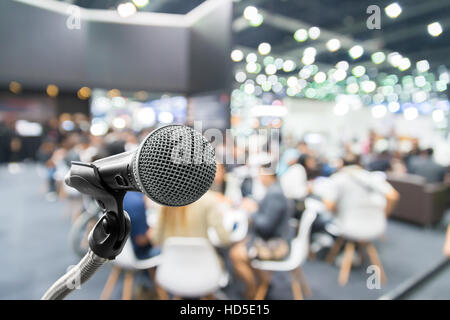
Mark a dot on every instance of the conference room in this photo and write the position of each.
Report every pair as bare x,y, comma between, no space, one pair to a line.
224,150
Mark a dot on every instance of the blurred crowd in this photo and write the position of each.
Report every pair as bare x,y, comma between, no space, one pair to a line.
265,193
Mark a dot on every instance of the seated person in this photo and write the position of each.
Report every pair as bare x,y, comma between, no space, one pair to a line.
382,162
134,205
295,184
294,181
195,219
424,165
192,220
268,224
361,200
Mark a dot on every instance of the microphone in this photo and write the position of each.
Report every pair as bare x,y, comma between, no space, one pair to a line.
174,166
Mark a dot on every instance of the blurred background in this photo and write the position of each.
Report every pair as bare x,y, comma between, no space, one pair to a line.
318,88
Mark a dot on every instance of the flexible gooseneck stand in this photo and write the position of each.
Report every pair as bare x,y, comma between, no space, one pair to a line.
108,237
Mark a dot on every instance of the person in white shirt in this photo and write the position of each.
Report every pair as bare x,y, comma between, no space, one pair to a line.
294,180
360,199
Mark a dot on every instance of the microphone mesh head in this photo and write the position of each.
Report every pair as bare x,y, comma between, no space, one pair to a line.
175,165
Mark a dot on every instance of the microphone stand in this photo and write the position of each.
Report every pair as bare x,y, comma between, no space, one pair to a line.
108,237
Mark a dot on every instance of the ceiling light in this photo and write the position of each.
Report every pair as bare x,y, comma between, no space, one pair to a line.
353,88
272,79
84,93
310,51
126,9
278,63
250,13
271,69
114,93
310,93
98,127
288,66
257,21
339,75
292,81
240,76
444,76
251,67
305,73
356,51
404,64
420,81
165,117
314,33
264,48
249,88
419,96
251,57
441,85
15,87
52,90
292,91
368,86
146,117
342,65
393,106
237,55
119,123
422,65
393,10
333,45
301,35
434,29
378,98
309,59
395,58
438,115
320,77
358,71
261,78
140,3
378,57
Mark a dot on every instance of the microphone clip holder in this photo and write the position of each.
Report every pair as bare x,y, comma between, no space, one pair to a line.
110,233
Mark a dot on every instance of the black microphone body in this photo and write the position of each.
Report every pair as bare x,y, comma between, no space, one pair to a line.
116,171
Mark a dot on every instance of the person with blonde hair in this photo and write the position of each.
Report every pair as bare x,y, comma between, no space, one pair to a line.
195,219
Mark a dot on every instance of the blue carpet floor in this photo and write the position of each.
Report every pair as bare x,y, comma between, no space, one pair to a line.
35,251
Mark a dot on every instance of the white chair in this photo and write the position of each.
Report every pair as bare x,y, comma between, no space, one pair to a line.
298,255
189,268
358,229
128,262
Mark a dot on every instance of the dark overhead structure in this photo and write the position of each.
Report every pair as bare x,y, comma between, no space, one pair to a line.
185,53
346,19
